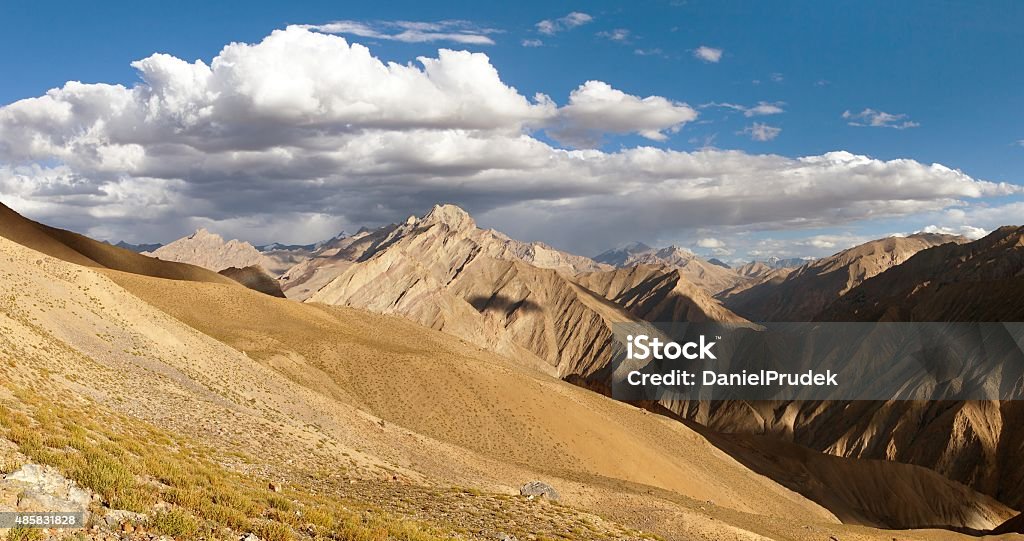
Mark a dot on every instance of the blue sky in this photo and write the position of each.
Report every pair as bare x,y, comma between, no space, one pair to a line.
943,80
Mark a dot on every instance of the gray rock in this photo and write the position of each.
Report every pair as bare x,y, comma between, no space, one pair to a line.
34,500
536,489
44,488
249,537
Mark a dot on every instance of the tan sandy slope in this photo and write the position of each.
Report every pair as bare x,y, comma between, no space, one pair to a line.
82,250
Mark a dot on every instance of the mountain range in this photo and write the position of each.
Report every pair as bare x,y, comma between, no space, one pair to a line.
714,277
433,353
305,269
806,291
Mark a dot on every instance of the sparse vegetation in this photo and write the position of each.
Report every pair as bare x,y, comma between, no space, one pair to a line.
176,523
24,534
133,465
271,530
9,465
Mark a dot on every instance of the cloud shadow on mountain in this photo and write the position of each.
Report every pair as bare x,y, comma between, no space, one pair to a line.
498,302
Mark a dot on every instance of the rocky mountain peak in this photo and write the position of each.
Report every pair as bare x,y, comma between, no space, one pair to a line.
674,250
209,250
619,256
204,234
450,215
634,247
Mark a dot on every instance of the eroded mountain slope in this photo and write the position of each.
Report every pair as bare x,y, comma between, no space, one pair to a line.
657,293
331,260
445,273
975,443
809,289
977,281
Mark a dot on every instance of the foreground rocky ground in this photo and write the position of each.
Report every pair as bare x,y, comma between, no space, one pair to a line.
162,487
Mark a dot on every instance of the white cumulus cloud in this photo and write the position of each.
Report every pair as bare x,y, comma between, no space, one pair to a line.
596,108
968,231
710,242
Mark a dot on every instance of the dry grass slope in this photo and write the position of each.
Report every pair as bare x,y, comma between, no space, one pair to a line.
134,466
82,250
